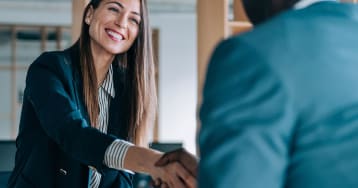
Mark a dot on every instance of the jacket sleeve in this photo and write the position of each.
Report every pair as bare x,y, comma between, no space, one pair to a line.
246,121
50,90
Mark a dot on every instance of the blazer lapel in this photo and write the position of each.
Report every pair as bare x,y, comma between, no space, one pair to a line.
74,55
117,116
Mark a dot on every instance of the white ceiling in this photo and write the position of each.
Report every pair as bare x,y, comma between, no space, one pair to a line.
173,1
172,5
154,5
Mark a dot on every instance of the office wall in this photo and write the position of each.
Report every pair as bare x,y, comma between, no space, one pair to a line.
177,76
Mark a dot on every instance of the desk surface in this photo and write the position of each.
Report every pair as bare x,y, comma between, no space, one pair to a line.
35,13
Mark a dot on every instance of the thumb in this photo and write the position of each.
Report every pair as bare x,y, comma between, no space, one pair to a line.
164,160
170,157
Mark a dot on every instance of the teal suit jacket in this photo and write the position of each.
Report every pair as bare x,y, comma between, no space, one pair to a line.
280,103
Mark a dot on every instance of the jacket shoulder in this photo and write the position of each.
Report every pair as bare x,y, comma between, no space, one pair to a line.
57,62
53,59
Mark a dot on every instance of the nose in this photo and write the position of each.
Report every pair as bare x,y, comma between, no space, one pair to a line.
122,21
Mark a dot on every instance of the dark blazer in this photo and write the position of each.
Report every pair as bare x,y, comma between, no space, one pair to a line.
280,104
56,144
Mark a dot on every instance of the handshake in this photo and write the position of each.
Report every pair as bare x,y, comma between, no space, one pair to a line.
180,170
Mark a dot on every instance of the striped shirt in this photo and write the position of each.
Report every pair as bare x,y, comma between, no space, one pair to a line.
115,153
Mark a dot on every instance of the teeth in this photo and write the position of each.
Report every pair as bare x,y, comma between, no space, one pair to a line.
115,35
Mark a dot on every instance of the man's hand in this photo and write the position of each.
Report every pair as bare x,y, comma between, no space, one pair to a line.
188,160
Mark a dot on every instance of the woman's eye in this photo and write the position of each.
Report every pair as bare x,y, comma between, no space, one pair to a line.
113,9
135,21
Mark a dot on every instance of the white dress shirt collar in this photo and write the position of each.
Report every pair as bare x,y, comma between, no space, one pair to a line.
108,85
306,3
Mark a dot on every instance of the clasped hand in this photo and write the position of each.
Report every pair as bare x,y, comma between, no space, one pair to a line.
176,169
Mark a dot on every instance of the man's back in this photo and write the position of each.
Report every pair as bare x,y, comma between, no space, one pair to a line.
280,103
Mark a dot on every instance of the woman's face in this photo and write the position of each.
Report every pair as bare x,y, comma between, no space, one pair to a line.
114,25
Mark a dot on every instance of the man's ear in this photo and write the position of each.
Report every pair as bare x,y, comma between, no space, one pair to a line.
89,15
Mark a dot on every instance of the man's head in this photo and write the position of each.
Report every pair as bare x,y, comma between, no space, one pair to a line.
260,10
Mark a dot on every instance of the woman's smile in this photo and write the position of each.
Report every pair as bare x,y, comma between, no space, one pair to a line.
116,36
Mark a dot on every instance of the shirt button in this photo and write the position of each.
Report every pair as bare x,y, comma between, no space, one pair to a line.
63,172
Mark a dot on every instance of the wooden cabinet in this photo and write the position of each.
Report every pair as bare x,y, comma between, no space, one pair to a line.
78,7
213,26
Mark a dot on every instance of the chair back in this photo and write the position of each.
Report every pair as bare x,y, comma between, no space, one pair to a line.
7,155
7,160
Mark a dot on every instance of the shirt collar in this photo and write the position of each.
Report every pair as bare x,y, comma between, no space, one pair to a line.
107,84
305,3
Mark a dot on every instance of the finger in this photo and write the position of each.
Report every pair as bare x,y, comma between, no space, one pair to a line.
176,182
164,185
155,186
175,170
171,177
152,184
157,182
185,176
170,157
189,161
162,161
191,167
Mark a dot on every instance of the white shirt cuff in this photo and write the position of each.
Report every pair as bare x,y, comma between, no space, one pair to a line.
115,153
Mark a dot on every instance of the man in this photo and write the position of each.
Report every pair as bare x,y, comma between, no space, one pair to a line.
280,104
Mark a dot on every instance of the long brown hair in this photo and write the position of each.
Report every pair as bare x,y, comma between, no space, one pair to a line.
138,63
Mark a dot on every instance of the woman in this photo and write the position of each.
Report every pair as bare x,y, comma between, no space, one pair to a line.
83,104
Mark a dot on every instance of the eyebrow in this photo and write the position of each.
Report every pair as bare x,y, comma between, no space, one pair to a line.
120,5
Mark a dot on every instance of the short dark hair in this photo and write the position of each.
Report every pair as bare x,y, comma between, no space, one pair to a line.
260,10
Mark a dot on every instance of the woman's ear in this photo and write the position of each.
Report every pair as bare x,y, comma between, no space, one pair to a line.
89,15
